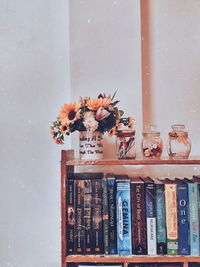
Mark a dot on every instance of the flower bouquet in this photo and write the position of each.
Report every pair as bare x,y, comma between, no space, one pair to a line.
90,115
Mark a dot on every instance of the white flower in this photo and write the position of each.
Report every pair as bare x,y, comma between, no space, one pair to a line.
90,124
88,115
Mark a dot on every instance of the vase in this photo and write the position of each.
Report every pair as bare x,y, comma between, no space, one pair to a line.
179,145
125,140
152,144
90,145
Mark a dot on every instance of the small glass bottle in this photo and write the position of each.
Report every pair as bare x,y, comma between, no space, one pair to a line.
125,144
179,145
152,144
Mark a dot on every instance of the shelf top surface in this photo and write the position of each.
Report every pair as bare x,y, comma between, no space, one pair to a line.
131,258
139,161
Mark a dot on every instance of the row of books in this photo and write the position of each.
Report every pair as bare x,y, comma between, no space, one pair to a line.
133,216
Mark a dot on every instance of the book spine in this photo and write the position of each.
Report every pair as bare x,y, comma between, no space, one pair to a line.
183,219
151,218
105,217
97,217
171,219
88,215
194,219
112,216
123,204
161,220
139,239
70,217
79,217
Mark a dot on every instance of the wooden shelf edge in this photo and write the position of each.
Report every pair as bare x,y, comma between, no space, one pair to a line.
130,258
190,161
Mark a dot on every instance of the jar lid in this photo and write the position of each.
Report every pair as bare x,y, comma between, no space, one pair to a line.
178,130
150,130
123,133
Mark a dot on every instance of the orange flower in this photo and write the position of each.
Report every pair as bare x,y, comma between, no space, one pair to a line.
130,122
96,103
69,113
112,132
52,132
64,128
58,141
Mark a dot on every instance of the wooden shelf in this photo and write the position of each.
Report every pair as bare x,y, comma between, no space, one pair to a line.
67,168
129,258
164,161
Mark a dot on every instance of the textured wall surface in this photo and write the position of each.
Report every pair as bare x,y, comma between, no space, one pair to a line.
34,82
98,49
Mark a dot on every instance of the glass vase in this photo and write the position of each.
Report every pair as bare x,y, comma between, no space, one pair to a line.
152,144
179,145
125,144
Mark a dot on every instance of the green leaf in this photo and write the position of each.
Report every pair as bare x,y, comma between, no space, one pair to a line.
114,103
121,113
113,95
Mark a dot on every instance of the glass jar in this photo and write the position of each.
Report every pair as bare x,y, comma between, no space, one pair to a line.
125,144
179,145
152,144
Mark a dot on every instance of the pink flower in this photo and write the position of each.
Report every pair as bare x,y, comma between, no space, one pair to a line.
102,114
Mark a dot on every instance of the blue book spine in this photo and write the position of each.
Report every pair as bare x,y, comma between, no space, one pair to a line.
183,219
194,219
151,219
123,204
161,220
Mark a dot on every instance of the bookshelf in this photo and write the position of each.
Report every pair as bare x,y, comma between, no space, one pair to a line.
67,167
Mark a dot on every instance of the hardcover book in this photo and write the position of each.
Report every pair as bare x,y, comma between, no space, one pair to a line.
105,216
88,215
70,217
193,193
150,196
97,218
79,233
139,236
161,218
123,204
112,216
171,218
183,218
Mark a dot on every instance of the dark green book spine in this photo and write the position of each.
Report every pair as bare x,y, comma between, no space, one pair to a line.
105,216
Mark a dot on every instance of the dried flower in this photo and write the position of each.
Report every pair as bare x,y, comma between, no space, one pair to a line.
102,114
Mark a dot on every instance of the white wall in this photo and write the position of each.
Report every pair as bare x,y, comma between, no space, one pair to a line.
176,65
34,82
105,54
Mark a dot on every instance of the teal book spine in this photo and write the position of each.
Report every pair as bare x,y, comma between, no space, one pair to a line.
105,216
194,218
123,205
161,220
